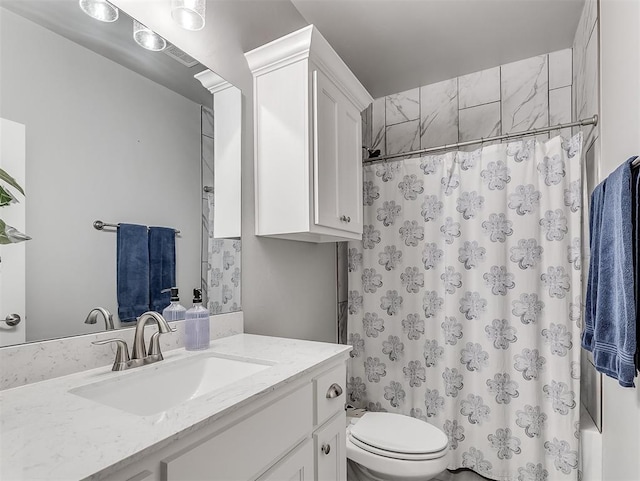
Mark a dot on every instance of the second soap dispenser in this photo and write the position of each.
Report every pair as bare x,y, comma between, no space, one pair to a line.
174,311
197,325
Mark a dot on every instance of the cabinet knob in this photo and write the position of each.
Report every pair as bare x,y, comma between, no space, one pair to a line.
345,218
326,449
334,391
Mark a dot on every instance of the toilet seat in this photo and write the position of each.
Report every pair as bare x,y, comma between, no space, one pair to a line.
398,437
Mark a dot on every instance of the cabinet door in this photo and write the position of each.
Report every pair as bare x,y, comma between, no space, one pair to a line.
350,166
331,450
298,466
247,448
337,158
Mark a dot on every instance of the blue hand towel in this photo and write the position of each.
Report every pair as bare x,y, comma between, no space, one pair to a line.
132,271
613,318
162,266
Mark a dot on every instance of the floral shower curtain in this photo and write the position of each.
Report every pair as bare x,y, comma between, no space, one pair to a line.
464,303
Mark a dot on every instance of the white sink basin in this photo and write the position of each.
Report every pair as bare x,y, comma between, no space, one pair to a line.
164,385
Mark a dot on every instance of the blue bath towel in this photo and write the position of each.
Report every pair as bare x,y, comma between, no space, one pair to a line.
610,317
636,256
132,271
595,220
162,266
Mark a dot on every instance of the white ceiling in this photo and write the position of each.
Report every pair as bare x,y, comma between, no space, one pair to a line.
395,45
391,45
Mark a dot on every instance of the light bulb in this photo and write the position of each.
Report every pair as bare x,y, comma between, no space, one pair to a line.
147,38
189,14
100,10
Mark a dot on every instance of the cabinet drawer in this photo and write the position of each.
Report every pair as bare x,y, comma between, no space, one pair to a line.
238,453
326,405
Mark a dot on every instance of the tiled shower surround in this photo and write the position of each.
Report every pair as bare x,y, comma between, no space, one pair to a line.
524,95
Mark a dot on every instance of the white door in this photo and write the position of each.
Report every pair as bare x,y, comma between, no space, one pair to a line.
12,256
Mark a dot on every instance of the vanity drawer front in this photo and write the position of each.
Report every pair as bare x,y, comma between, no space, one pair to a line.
237,453
330,393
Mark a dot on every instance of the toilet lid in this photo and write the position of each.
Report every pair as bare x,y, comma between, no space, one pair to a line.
398,436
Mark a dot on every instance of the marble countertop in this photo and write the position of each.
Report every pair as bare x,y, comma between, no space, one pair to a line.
46,432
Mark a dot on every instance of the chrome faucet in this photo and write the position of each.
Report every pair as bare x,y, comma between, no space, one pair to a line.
139,356
92,317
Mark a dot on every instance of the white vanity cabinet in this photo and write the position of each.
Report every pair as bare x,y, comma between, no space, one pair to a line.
307,140
296,432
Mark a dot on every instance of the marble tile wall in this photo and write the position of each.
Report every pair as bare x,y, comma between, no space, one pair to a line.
586,103
523,95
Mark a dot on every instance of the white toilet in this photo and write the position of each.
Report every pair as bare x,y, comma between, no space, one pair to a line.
393,447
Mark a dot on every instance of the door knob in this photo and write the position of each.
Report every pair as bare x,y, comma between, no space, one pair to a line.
12,320
326,448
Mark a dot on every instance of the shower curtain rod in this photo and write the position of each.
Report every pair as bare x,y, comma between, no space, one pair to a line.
590,121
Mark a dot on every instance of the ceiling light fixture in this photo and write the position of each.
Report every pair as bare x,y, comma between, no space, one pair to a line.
147,38
100,10
189,14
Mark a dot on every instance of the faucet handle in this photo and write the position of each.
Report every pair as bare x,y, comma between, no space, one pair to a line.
122,353
154,344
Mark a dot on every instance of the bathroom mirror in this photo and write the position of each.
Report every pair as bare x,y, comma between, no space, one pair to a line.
119,134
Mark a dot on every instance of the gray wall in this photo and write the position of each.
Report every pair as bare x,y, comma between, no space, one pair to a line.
619,24
100,145
288,288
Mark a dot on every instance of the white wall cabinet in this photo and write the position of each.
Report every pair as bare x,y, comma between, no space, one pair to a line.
307,140
296,433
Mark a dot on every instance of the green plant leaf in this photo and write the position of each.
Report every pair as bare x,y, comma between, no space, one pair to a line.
11,235
5,197
4,238
10,180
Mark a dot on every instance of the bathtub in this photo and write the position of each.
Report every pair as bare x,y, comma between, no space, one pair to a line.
590,448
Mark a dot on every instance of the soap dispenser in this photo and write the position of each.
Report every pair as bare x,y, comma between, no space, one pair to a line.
197,324
174,311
